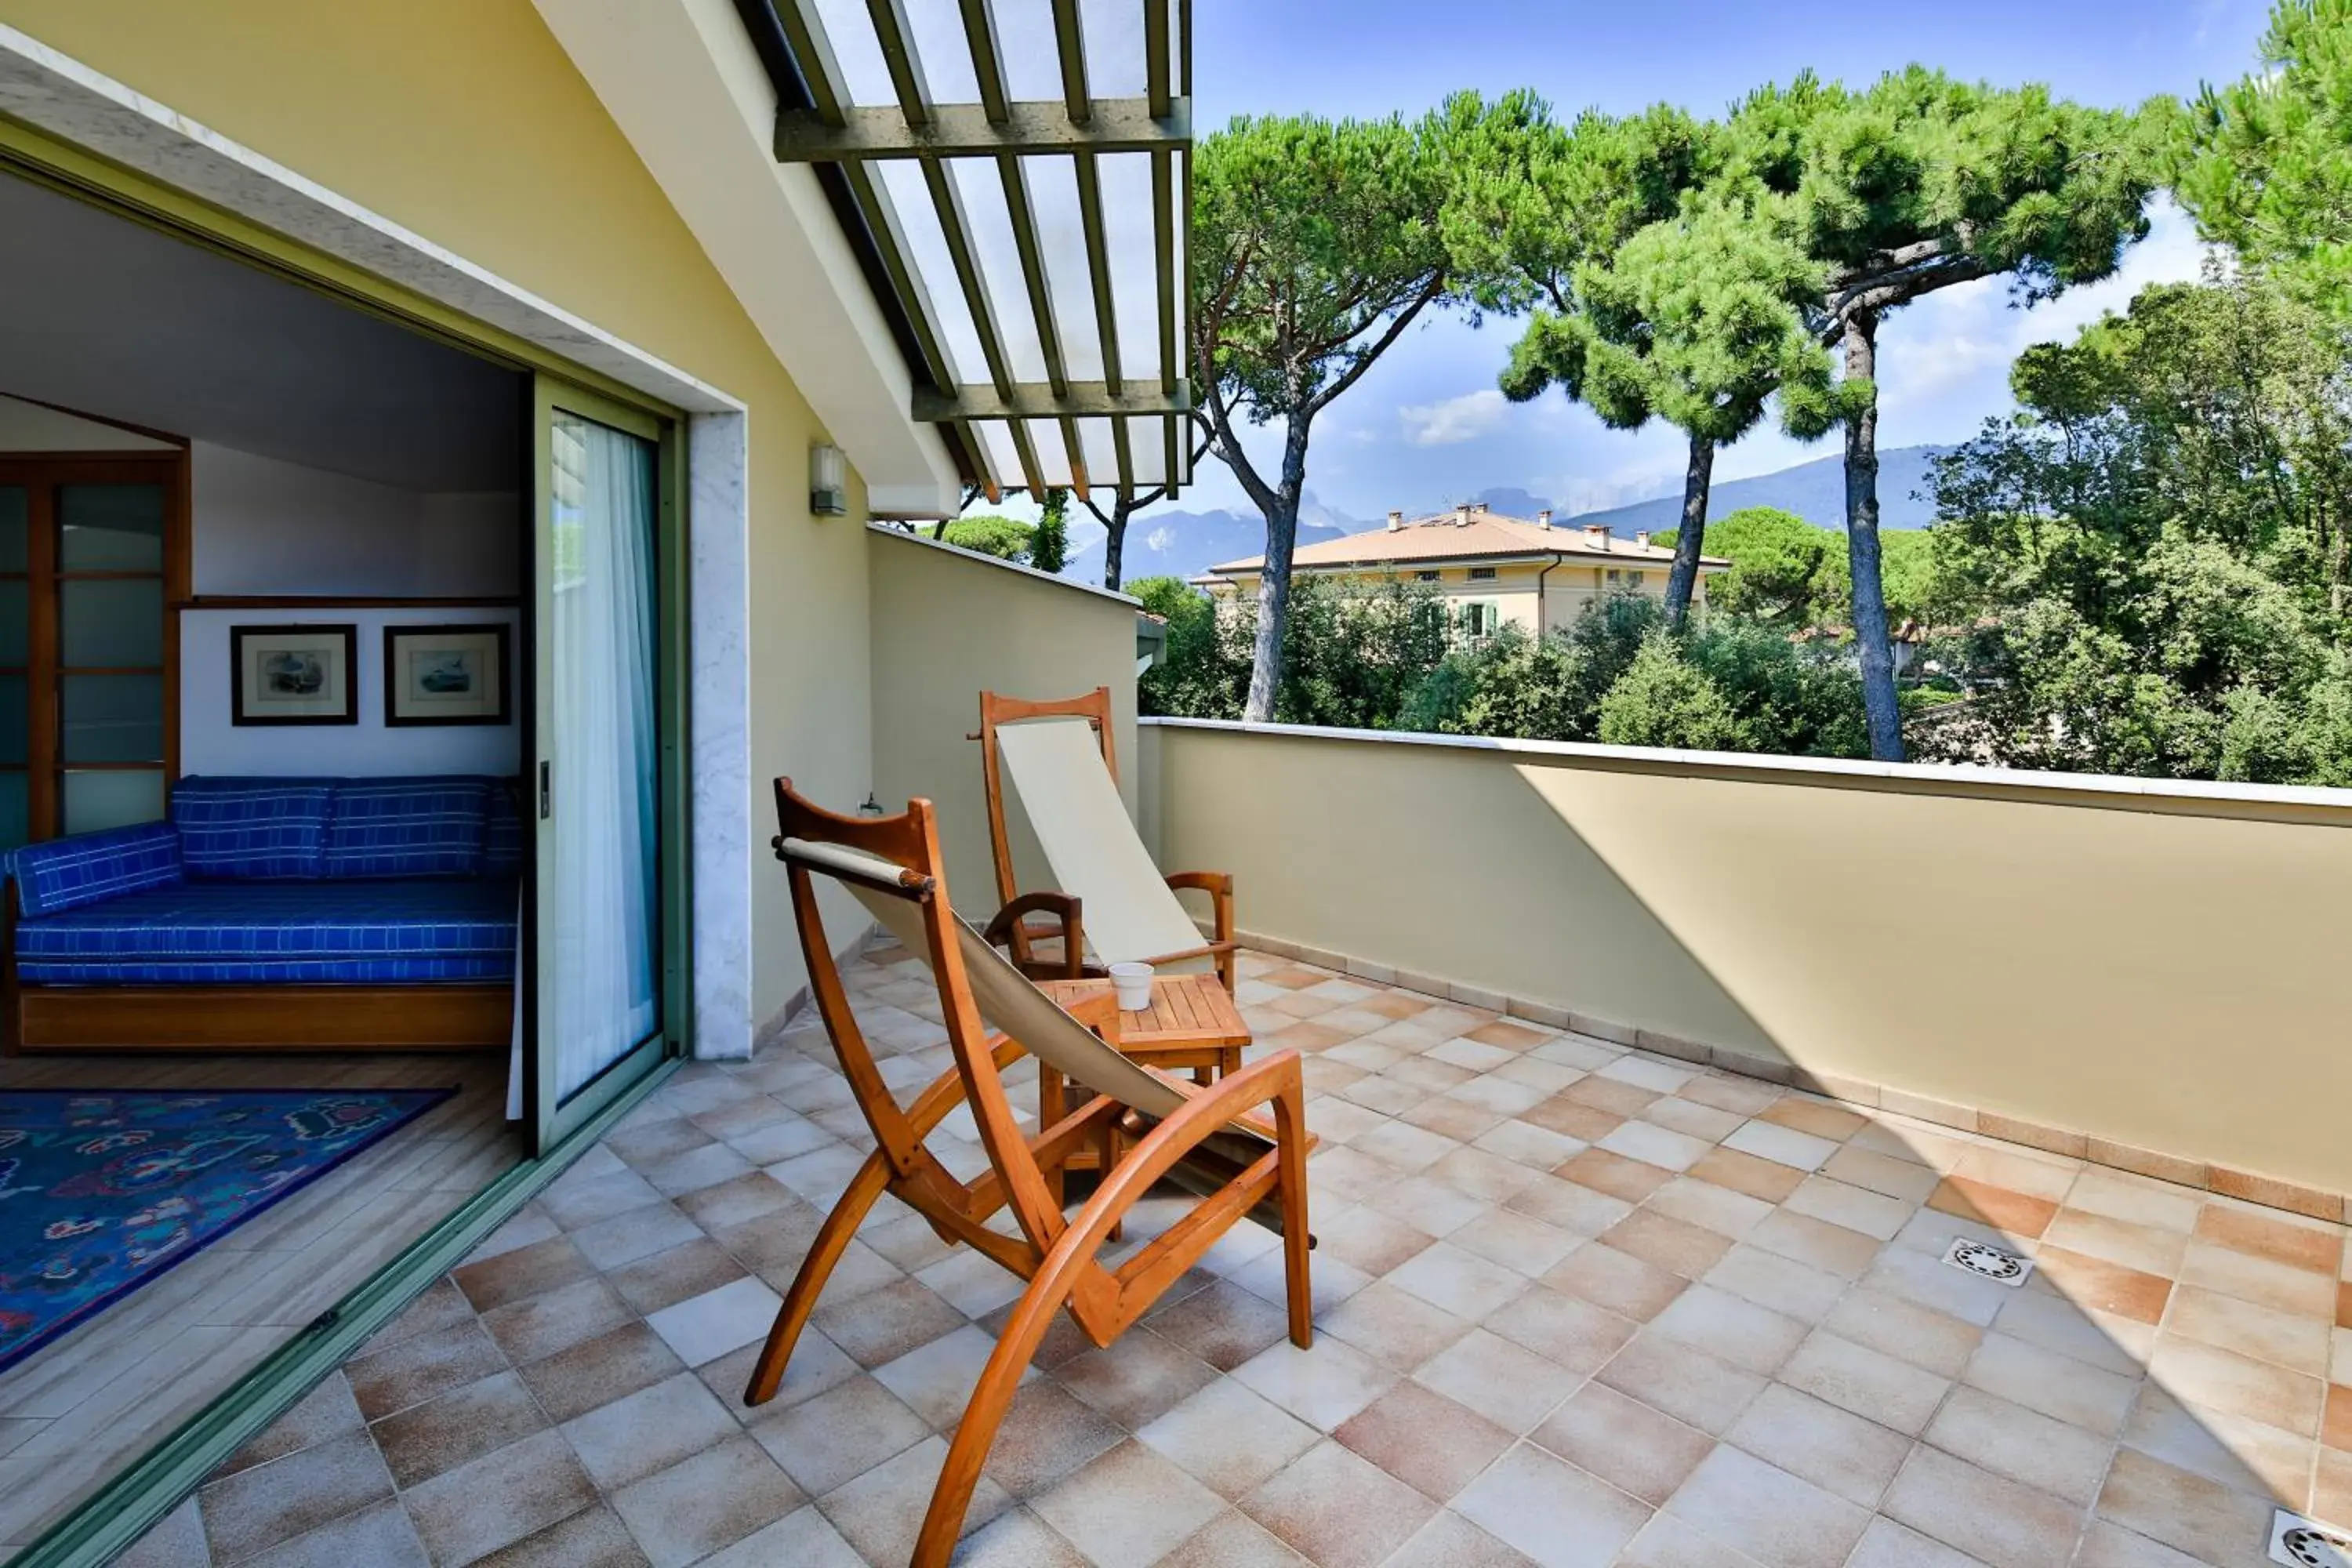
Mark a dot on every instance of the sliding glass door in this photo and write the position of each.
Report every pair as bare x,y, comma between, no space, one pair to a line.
604,993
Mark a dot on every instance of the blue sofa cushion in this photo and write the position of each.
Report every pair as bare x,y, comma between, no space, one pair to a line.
502,845
252,829
426,826
242,933
66,873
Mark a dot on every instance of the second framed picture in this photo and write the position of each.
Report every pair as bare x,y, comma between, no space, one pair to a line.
445,675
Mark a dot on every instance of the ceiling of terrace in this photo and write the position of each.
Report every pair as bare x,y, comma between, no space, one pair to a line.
1013,175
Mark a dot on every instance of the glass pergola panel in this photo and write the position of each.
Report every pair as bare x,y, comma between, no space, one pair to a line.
1009,168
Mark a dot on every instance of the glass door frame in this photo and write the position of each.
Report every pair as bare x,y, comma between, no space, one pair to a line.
548,1118
41,475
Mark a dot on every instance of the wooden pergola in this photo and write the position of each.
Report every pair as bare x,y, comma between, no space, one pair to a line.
1014,176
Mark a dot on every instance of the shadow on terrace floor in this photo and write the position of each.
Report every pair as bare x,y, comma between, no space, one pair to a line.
1577,1305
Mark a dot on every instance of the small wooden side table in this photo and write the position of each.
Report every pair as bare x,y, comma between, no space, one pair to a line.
1192,1022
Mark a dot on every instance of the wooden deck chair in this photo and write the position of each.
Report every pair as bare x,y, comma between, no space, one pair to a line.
1112,900
1147,1128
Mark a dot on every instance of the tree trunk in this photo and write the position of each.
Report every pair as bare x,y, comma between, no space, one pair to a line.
1115,537
1880,707
1682,580
1274,581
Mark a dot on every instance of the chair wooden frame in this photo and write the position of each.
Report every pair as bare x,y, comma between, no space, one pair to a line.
1010,929
1059,1255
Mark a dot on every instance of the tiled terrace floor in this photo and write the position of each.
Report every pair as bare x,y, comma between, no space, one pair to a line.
1577,1305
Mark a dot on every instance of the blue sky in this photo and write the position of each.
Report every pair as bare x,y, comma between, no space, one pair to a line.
1426,427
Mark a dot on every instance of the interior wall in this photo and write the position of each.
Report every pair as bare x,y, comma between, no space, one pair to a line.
211,744
31,427
2163,973
264,526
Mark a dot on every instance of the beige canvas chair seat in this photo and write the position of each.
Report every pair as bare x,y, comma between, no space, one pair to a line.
1144,1128
1114,904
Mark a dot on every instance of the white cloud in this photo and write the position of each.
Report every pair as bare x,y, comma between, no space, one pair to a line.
1975,332
1453,420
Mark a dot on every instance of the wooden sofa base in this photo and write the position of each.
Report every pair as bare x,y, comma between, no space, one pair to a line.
262,1017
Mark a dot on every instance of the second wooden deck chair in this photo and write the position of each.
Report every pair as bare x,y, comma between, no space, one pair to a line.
1147,1127
1112,902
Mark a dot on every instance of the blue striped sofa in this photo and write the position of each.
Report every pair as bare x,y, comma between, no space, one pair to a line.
274,913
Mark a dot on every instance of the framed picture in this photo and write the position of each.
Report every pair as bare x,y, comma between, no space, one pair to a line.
445,675
292,674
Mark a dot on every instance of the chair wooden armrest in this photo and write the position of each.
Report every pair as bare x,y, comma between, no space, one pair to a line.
1010,930
1219,886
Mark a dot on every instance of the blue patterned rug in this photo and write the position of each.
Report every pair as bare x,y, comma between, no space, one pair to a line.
101,1190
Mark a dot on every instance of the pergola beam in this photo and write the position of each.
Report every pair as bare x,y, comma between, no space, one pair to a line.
1037,400
965,130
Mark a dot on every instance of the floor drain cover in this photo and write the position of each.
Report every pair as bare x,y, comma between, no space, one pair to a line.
1993,1263
2303,1542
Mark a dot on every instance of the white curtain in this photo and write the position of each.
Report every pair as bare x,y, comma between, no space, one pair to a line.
602,903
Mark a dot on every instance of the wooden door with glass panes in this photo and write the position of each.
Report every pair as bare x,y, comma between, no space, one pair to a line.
93,558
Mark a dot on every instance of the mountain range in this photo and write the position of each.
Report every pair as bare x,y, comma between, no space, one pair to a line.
1187,543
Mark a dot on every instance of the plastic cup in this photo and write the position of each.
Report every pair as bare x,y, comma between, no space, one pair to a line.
1133,984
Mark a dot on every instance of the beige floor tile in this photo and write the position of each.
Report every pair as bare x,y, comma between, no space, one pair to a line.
1856,1208
1781,1521
1696,1201
1868,1382
880,1513
1884,1173
2262,1280
1831,1448
840,1434
706,1327
1130,1505
1518,1242
1449,1540
1654,1145
2185,1511
1045,1435
1323,1386
1458,1279
1705,1123
1904,1329
498,1498
1430,1442
2056,1385
255,1510
1782,1145
1136,1378
1340,1510
1228,1439
2151,1249
1505,1382
1731,1329
935,1382
2205,1377
1571,1205
1628,1286
1686,1383
1565,1330
2298,1345
1831,1248
2022,1445
1989,1516
702,1504
1224,1324
1395,1327
1634,1449
1557,1515
1780,1283
1886,1545
2289,1239
1232,1540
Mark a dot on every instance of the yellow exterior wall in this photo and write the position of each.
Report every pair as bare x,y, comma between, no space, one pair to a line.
2167,974
948,625
464,121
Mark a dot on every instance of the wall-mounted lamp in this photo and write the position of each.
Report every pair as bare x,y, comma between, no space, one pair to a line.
828,482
